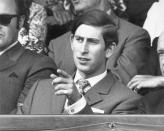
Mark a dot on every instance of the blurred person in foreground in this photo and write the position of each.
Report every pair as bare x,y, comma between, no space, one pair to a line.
153,101
92,88
19,68
129,57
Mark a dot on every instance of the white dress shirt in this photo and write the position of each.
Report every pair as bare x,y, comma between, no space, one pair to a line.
80,104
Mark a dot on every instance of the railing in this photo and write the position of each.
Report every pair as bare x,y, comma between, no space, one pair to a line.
81,123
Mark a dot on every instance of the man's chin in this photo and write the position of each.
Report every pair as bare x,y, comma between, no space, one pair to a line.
83,68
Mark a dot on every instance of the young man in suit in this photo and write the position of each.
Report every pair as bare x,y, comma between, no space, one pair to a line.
153,101
19,68
130,55
93,40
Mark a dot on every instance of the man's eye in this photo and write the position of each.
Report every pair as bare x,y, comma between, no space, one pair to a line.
161,54
91,41
79,39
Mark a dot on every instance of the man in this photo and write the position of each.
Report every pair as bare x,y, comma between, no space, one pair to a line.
130,55
93,39
153,102
19,68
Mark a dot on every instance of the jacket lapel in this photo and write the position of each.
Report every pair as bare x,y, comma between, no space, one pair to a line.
93,96
10,57
116,19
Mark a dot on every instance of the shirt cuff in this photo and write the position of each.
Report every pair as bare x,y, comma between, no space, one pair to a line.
76,107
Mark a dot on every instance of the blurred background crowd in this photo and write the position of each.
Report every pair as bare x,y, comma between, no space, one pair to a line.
49,19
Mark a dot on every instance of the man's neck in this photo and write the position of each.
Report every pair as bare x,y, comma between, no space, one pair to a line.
9,47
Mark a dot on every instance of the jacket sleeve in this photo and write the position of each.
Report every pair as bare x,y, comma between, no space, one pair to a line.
25,108
131,58
40,69
128,106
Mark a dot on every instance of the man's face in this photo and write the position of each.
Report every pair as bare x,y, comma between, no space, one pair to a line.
84,5
160,50
8,33
89,50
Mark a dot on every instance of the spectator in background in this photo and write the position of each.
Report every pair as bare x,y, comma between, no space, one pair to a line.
19,68
129,57
153,102
34,36
58,19
47,20
154,22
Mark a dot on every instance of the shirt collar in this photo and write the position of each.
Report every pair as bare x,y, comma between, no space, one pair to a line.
9,47
93,80
109,11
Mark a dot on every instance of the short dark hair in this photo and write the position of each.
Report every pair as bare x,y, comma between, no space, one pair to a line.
98,18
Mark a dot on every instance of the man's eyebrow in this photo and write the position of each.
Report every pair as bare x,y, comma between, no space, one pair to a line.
161,51
93,40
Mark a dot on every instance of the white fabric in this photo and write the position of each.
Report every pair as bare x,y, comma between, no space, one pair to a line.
76,107
154,22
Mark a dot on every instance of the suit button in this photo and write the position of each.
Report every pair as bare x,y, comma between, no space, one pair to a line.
111,125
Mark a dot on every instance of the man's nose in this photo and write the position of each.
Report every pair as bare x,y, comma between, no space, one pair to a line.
84,47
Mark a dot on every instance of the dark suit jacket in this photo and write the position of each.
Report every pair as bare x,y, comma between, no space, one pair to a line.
137,10
108,95
19,69
129,58
153,102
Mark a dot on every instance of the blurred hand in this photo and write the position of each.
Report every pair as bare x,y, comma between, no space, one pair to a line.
60,16
145,81
64,85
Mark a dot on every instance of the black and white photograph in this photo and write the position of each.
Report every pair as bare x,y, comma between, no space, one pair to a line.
81,65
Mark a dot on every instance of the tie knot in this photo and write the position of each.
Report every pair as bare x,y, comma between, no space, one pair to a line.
83,85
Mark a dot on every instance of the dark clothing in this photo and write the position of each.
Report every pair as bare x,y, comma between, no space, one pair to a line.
19,69
108,95
137,10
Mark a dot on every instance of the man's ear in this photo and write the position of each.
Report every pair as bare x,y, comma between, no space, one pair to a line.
110,49
21,22
71,39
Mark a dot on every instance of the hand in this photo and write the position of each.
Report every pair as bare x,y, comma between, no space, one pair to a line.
64,85
145,81
60,17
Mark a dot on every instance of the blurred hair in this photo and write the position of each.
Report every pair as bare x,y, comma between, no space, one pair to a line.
23,9
97,18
